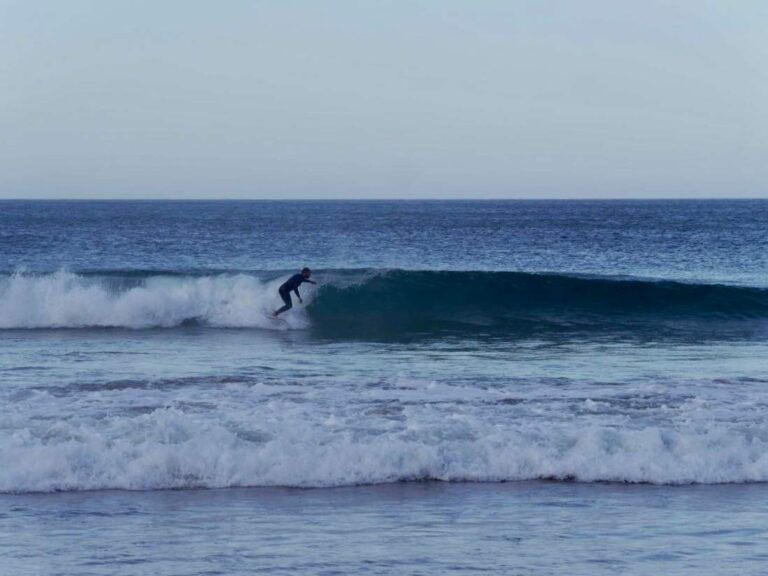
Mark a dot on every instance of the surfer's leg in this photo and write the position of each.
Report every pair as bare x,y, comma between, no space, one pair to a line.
286,296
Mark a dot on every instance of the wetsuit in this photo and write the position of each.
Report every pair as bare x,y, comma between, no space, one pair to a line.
290,285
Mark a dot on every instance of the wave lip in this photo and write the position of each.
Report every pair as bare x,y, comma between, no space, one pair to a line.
370,301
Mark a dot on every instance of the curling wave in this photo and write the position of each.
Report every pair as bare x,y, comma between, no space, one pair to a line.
369,301
523,302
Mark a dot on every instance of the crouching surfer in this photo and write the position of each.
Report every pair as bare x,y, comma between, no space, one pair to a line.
292,285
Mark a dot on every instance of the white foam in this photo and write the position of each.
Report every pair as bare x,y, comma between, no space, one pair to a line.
67,300
285,445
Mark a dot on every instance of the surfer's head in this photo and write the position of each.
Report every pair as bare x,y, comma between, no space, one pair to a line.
306,272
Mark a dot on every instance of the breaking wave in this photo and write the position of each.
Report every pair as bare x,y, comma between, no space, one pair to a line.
170,449
128,300
369,301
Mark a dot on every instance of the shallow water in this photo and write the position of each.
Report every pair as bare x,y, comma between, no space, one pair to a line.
423,528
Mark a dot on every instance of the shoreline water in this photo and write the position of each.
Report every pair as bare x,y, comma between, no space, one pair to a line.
411,528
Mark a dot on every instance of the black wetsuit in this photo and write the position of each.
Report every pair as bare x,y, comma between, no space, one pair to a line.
290,285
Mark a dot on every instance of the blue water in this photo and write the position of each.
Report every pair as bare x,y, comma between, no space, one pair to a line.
721,241
577,360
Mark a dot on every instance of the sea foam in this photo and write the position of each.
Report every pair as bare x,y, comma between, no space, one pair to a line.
68,300
170,449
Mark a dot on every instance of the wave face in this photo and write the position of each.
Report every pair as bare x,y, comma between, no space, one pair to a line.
520,302
375,302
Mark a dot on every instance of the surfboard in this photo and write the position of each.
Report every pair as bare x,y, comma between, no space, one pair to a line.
275,319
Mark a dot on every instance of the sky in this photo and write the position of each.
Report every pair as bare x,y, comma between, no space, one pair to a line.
383,99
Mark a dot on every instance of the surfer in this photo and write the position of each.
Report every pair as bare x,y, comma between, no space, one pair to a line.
292,285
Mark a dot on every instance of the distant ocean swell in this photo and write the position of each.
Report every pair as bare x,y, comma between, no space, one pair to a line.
366,300
170,449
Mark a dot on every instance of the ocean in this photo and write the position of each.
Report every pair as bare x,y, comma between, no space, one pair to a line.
512,387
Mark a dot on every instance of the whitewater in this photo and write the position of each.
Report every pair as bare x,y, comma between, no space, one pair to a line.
238,432
68,300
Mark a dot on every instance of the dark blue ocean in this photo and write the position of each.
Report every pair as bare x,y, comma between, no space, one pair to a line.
506,387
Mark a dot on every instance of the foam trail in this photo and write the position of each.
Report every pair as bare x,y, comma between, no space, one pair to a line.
67,300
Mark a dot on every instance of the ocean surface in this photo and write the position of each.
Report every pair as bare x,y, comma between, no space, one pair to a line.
511,387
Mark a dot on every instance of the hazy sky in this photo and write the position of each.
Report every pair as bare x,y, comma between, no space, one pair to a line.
329,99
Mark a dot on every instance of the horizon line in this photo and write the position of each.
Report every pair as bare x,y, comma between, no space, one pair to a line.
385,199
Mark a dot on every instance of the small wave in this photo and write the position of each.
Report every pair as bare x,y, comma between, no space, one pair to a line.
371,301
170,449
